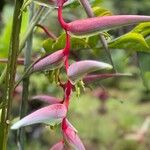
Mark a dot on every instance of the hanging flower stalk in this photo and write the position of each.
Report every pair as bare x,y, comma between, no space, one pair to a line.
56,112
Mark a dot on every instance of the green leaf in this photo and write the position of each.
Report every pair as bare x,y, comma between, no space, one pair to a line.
48,45
25,5
99,11
76,43
142,28
148,41
144,63
60,42
93,41
130,42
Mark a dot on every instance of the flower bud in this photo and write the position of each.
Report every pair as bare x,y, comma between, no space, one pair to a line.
95,25
79,69
50,62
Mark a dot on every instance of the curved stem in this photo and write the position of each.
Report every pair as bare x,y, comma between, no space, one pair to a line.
61,20
49,33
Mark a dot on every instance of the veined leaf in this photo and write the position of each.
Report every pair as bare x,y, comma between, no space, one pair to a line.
130,42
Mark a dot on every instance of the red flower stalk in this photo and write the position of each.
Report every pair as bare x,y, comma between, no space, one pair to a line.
61,20
67,50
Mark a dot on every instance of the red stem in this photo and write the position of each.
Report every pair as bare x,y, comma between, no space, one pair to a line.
61,20
68,85
64,125
67,50
68,91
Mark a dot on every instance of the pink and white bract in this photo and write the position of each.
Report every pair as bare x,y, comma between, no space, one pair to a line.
50,62
58,146
70,136
95,25
79,69
52,115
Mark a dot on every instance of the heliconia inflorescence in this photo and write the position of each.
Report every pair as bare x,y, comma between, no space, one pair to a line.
56,112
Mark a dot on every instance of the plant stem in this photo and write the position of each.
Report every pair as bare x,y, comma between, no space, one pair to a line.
87,7
25,92
10,75
34,21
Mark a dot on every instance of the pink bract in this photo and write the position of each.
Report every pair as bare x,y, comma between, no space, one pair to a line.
58,146
71,137
94,25
52,115
79,69
50,62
